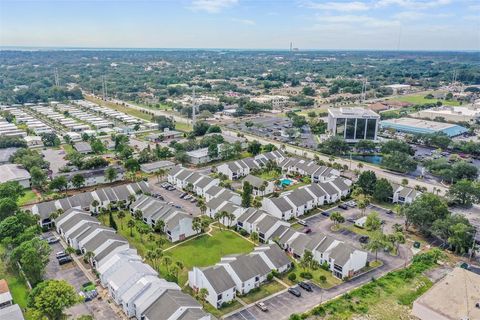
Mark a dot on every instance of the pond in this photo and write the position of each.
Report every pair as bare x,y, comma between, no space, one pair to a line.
375,159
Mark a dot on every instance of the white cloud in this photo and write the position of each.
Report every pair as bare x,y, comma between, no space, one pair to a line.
361,20
212,6
338,6
413,4
415,15
244,21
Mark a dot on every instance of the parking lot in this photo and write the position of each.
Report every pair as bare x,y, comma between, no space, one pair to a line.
174,197
55,158
279,306
72,274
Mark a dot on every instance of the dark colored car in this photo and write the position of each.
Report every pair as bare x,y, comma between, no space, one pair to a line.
363,239
307,230
305,286
64,260
343,206
389,212
326,213
62,256
295,292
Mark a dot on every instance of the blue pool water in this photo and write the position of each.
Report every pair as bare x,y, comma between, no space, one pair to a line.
286,182
375,159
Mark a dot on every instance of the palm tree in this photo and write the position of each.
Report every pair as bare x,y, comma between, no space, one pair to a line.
70,250
131,199
88,256
202,295
150,237
166,261
160,226
337,218
121,215
180,265
231,217
131,225
203,207
377,242
254,236
257,203
196,224
138,214
150,255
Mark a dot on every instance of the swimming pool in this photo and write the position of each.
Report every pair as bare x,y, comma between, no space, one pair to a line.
286,182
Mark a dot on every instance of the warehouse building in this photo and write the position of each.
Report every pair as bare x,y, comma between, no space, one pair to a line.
470,114
418,126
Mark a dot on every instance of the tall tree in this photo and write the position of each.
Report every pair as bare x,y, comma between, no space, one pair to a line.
50,298
247,194
366,181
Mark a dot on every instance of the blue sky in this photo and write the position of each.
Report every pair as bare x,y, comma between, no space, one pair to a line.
269,24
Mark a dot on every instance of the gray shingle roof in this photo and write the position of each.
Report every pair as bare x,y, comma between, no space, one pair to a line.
102,237
281,204
341,253
168,303
276,255
249,266
218,278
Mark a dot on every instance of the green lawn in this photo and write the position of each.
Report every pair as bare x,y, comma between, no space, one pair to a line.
206,251
232,306
68,148
420,99
185,127
29,197
124,109
329,283
270,175
263,291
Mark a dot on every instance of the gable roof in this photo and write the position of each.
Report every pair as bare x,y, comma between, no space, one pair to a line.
218,278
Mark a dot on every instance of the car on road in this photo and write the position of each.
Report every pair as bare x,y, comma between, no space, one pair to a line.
364,239
305,286
302,223
343,206
295,292
262,306
307,230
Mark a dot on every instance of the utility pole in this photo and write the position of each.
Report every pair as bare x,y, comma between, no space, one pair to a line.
104,88
55,74
194,107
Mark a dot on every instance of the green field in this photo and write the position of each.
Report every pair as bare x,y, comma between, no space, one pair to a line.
420,99
270,175
28,198
185,127
127,110
206,251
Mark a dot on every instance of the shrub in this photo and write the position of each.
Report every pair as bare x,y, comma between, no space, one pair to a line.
306,275
243,232
292,277
270,277
322,279
325,266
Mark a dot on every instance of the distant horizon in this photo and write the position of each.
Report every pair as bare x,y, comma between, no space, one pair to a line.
86,48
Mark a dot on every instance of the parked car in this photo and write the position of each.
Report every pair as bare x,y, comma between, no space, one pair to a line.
389,212
302,223
262,306
64,255
183,195
352,220
343,206
364,239
187,197
193,200
326,213
64,260
295,292
60,253
52,240
305,286
307,230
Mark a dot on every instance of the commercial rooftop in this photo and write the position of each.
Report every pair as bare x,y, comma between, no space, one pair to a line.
352,112
418,126
454,297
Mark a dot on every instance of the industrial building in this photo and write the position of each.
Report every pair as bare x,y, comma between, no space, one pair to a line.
353,124
418,126
469,114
